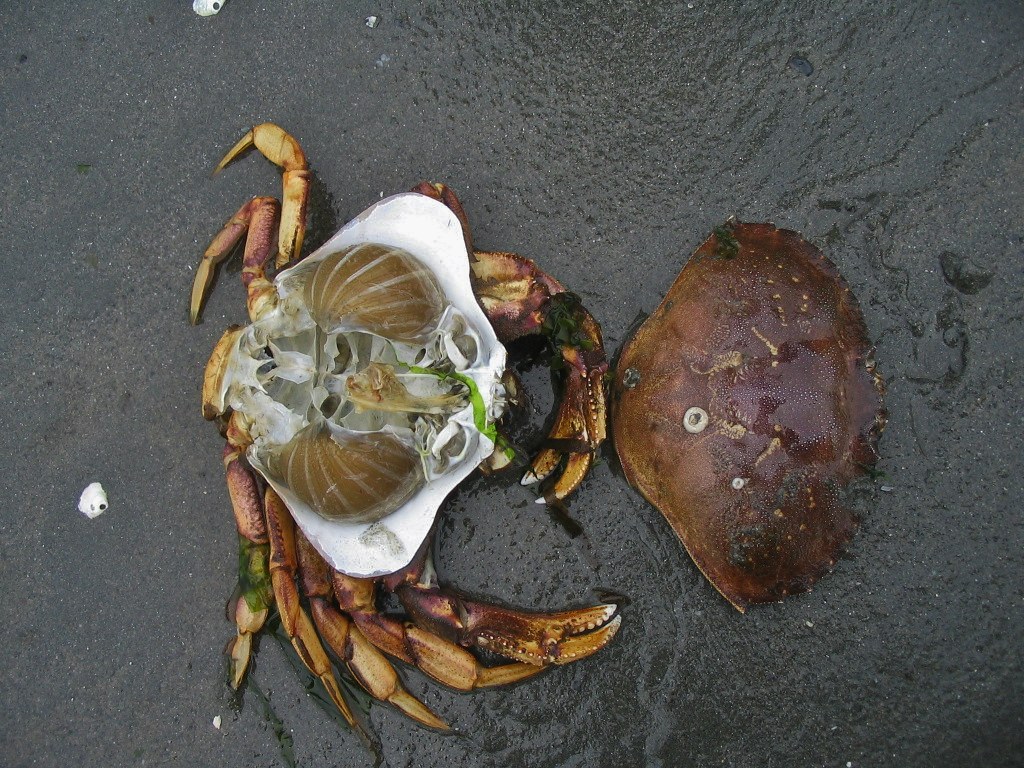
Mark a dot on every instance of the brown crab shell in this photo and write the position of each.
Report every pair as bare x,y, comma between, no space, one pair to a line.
762,335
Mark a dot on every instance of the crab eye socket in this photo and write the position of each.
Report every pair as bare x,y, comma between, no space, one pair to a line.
376,288
354,477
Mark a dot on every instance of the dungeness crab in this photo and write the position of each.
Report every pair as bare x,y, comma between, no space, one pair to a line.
369,383
366,387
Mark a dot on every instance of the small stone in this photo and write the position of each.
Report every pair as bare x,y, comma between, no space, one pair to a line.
801,65
372,21
216,722
964,273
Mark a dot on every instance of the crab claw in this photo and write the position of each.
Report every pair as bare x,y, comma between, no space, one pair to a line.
579,427
521,300
535,638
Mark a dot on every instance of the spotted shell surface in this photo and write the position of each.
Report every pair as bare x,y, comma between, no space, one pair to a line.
744,404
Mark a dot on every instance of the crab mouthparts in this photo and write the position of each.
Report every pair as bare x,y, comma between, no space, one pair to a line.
379,388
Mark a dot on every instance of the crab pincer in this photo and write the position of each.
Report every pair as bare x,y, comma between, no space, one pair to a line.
521,300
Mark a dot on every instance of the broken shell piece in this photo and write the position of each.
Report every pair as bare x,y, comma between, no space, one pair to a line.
93,501
207,7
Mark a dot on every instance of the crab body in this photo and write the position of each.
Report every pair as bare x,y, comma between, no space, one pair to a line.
367,385
354,384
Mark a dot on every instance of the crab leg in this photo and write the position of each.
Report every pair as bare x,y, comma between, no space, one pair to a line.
249,611
520,299
533,638
259,217
368,665
536,639
440,659
262,217
281,148
296,622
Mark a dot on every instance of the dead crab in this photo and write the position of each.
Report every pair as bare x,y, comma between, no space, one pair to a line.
365,388
369,382
744,404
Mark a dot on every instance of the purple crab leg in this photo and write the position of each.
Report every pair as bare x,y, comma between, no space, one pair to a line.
534,638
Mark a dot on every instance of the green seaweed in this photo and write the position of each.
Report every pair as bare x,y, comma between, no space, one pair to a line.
562,325
872,471
726,245
285,743
487,428
254,574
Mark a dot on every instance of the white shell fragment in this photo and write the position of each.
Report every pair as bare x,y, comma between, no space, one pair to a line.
207,7
93,501
371,21
217,722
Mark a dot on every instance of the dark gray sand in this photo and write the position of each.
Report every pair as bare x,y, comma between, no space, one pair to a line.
605,140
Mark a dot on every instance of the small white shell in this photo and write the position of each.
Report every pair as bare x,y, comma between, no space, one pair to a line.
93,501
207,7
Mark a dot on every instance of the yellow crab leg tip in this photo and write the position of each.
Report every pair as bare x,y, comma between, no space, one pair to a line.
505,674
409,705
200,287
243,144
273,142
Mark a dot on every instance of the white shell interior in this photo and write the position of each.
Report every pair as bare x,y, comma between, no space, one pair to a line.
429,231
